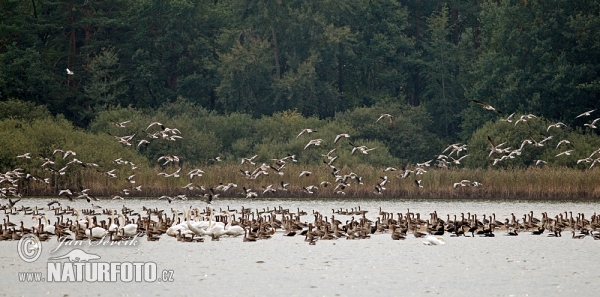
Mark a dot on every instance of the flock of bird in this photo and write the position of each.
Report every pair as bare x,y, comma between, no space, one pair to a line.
196,224
340,182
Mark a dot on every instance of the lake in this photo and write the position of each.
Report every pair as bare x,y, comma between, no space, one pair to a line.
524,265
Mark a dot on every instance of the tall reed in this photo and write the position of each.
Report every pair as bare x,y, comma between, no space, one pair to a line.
529,183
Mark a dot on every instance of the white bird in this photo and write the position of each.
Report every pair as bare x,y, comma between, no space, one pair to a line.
314,142
564,141
508,119
305,173
340,136
592,125
156,123
434,240
69,72
487,106
585,114
557,125
568,153
249,160
306,131
386,115
121,124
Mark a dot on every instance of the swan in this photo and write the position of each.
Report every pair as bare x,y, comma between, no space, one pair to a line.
83,222
214,228
434,240
232,230
176,228
47,227
94,232
198,231
129,229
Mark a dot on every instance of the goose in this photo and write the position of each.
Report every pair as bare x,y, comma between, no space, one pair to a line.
577,236
310,189
306,131
418,183
54,201
69,72
143,142
585,114
170,199
487,106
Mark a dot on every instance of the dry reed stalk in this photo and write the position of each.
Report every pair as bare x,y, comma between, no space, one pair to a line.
530,183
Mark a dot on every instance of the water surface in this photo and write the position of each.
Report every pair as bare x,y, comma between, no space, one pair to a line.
525,265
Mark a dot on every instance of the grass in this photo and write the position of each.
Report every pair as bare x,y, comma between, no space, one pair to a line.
531,183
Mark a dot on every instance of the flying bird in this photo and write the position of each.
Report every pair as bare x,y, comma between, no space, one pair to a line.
307,131
386,115
487,106
69,72
585,114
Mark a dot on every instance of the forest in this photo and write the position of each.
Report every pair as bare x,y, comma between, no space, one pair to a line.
240,78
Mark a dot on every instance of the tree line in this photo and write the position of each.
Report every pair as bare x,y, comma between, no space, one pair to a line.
258,64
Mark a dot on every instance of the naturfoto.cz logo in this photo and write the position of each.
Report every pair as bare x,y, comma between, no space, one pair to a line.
78,265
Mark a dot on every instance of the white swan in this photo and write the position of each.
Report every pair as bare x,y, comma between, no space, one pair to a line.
198,231
50,229
232,230
434,240
83,222
215,229
129,229
94,232
175,228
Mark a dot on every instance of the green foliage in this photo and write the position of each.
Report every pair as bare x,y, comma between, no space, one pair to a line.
27,111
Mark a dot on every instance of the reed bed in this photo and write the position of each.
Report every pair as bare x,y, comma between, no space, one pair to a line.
531,183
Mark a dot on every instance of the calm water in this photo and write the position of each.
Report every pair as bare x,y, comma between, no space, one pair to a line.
524,265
